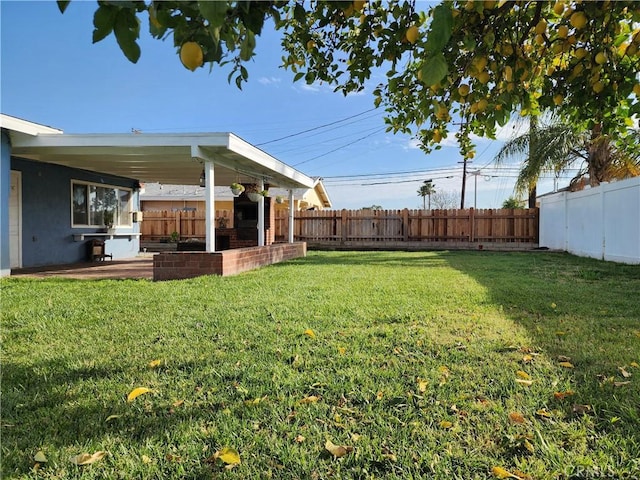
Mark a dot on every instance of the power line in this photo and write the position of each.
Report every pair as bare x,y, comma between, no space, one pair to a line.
340,147
315,128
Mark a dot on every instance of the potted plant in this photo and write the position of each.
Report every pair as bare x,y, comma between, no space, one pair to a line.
252,192
108,221
236,188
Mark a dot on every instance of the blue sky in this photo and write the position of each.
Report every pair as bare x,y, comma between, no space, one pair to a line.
52,74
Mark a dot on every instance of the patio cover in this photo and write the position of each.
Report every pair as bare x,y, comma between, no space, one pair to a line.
164,158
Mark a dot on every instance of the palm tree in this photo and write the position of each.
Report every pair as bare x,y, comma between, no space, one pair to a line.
556,146
426,190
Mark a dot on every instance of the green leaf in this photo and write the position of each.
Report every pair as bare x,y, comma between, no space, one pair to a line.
103,21
299,13
214,12
434,69
441,28
254,19
127,29
63,4
247,46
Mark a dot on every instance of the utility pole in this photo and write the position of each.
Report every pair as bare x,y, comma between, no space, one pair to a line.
464,179
475,187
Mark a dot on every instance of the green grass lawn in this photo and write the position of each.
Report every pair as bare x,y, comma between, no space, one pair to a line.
422,365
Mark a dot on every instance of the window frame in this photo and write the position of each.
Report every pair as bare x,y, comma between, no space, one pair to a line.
123,222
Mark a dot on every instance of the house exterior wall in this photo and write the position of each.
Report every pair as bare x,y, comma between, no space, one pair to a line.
5,169
47,233
601,222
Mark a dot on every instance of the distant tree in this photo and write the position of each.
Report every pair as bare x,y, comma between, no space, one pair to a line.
426,190
445,200
373,207
512,202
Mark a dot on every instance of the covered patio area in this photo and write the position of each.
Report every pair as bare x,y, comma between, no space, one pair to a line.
139,268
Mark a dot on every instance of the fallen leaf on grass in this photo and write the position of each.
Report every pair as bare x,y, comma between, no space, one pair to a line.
445,424
255,401
422,385
563,358
337,451
342,350
146,459
500,472
155,363
620,384
634,364
562,395
112,417
87,458
309,333
544,413
522,374
309,399
228,455
623,372
178,403
566,364
136,392
527,358
300,438
516,417
40,457
581,409
526,383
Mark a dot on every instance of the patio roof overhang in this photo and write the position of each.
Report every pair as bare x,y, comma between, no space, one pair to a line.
164,158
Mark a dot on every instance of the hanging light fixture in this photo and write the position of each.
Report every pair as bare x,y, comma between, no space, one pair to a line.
203,179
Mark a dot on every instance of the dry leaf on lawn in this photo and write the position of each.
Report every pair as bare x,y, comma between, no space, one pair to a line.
337,451
623,372
522,374
309,399
155,363
517,417
136,392
228,455
445,424
562,395
526,383
309,333
566,364
40,457
87,458
500,472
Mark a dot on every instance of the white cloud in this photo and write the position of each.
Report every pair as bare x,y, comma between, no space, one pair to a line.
269,80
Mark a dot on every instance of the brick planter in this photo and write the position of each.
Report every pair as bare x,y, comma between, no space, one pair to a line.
180,265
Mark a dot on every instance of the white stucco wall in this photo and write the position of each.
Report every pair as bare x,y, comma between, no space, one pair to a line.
601,222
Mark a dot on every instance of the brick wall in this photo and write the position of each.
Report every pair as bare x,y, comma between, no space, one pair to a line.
180,265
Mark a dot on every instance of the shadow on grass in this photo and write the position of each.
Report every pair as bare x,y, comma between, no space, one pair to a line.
583,309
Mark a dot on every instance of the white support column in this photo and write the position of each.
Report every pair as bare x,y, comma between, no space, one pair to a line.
210,207
261,215
292,209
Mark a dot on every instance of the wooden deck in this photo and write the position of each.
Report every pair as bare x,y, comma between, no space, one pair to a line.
135,268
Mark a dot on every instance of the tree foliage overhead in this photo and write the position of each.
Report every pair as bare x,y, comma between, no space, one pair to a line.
463,66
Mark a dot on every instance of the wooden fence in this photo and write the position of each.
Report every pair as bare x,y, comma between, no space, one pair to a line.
380,227
408,226
161,225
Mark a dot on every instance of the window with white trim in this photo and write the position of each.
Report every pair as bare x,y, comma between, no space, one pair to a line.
97,205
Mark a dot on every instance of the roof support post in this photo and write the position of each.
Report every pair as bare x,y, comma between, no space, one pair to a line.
291,215
210,223
261,215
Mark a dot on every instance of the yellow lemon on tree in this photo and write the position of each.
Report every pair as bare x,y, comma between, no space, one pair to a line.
578,20
557,99
463,90
601,58
484,77
437,136
541,27
636,89
563,31
598,87
412,34
191,55
558,8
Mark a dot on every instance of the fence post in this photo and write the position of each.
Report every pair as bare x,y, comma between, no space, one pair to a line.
344,225
472,225
405,225
177,223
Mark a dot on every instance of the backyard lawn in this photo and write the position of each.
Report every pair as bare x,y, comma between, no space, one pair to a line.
338,365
